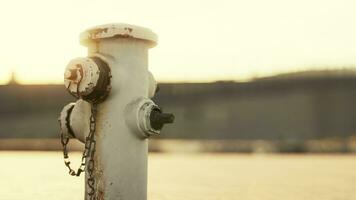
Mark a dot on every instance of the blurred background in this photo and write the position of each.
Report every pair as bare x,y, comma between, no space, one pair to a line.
310,111
271,83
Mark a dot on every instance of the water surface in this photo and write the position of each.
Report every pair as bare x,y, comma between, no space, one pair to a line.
42,176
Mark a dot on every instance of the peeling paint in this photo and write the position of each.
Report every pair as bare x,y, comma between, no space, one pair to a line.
118,30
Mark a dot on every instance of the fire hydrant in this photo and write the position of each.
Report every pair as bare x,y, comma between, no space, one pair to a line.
114,114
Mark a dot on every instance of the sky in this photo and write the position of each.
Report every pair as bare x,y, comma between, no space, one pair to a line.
199,40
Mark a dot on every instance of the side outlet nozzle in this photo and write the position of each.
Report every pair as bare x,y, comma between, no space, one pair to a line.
158,119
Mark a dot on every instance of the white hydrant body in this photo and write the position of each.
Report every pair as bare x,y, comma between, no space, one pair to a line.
121,156
125,118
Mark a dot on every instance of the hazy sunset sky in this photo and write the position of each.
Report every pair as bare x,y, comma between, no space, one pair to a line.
198,40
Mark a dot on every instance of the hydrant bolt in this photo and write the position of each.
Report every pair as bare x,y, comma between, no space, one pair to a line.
71,74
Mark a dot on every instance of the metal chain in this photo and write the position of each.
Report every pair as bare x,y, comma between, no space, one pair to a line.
87,161
91,192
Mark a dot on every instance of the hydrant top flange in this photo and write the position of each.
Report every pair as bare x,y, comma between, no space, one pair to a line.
118,30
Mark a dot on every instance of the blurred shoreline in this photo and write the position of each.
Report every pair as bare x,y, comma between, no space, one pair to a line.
331,145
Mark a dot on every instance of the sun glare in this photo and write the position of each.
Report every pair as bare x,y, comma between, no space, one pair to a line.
198,40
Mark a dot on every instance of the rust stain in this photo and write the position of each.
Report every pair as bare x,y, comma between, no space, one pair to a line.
100,195
99,170
94,33
97,33
128,29
126,35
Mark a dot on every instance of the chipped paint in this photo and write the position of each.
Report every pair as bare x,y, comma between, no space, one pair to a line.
118,30
87,79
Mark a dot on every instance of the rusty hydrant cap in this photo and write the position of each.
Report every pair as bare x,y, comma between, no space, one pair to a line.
118,30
